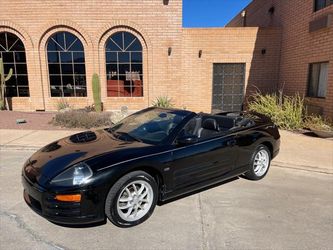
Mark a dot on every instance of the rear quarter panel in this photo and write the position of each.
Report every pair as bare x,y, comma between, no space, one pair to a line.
248,140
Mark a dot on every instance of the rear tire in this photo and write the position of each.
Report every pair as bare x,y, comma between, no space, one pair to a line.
260,163
132,199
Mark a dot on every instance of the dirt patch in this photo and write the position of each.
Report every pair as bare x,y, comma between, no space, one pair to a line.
34,120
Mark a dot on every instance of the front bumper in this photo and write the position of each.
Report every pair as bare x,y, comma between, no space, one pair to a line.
88,211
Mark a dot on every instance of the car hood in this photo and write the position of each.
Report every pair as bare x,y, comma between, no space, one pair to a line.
55,157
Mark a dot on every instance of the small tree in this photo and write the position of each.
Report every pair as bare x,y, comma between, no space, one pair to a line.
3,80
96,87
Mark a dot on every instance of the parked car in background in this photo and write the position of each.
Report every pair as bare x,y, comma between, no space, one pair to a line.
148,158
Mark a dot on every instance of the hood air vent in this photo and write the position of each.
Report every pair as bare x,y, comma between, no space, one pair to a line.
83,137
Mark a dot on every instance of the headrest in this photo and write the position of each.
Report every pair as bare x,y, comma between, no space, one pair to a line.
210,124
227,122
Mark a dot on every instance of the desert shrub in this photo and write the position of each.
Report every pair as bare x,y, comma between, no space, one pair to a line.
62,104
286,113
163,102
318,123
82,119
117,116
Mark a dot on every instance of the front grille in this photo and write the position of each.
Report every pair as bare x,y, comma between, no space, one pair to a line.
65,209
36,204
32,202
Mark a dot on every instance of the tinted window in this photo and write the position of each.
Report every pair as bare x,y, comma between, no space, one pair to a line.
151,126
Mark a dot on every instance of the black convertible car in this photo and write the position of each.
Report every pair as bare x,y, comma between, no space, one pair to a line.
148,158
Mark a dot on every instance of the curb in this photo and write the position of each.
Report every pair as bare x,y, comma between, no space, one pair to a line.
19,148
321,170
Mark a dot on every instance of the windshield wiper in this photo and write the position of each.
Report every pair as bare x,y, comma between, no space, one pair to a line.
119,133
111,131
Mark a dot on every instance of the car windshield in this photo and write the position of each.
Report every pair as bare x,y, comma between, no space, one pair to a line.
150,125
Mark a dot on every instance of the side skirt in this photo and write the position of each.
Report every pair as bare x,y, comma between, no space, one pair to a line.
196,188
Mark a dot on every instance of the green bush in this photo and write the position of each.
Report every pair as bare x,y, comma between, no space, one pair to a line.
82,119
318,123
286,112
163,102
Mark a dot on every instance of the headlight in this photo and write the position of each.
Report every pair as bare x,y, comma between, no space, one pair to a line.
76,175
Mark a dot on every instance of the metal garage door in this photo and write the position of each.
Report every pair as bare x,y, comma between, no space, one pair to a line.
228,86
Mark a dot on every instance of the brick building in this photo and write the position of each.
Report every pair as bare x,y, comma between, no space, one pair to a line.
140,51
306,60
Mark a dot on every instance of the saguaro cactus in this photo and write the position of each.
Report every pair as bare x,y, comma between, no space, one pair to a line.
96,87
4,79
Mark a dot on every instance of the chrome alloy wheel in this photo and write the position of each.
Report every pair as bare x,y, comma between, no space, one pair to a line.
261,162
135,200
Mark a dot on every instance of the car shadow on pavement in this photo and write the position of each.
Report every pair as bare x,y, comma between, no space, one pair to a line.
96,224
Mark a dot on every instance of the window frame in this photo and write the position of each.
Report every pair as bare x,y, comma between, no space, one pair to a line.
310,67
60,52
130,63
327,4
21,65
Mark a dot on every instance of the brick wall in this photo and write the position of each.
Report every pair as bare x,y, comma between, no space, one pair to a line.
299,47
183,76
157,26
227,45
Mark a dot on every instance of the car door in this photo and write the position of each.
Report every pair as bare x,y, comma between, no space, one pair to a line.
203,161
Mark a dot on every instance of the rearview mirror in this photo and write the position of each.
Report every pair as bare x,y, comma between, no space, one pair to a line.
187,140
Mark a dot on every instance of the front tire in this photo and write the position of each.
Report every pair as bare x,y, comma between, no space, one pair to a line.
260,163
132,199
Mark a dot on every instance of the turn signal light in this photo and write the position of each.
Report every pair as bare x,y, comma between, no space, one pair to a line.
68,197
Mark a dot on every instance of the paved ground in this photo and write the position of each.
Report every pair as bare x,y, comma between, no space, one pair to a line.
30,139
289,209
305,152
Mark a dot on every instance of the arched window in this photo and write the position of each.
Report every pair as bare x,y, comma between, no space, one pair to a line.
67,72
124,65
13,54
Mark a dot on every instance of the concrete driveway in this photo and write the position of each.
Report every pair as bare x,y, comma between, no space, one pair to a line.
289,209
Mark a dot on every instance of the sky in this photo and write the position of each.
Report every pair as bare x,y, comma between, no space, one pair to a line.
210,13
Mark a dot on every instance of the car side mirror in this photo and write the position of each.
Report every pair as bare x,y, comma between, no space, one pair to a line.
187,140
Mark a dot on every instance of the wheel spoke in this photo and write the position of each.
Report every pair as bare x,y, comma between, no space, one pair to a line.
136,211
135,189
129,192
141,189
128,205
142,206
125,199
129,212
144,195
